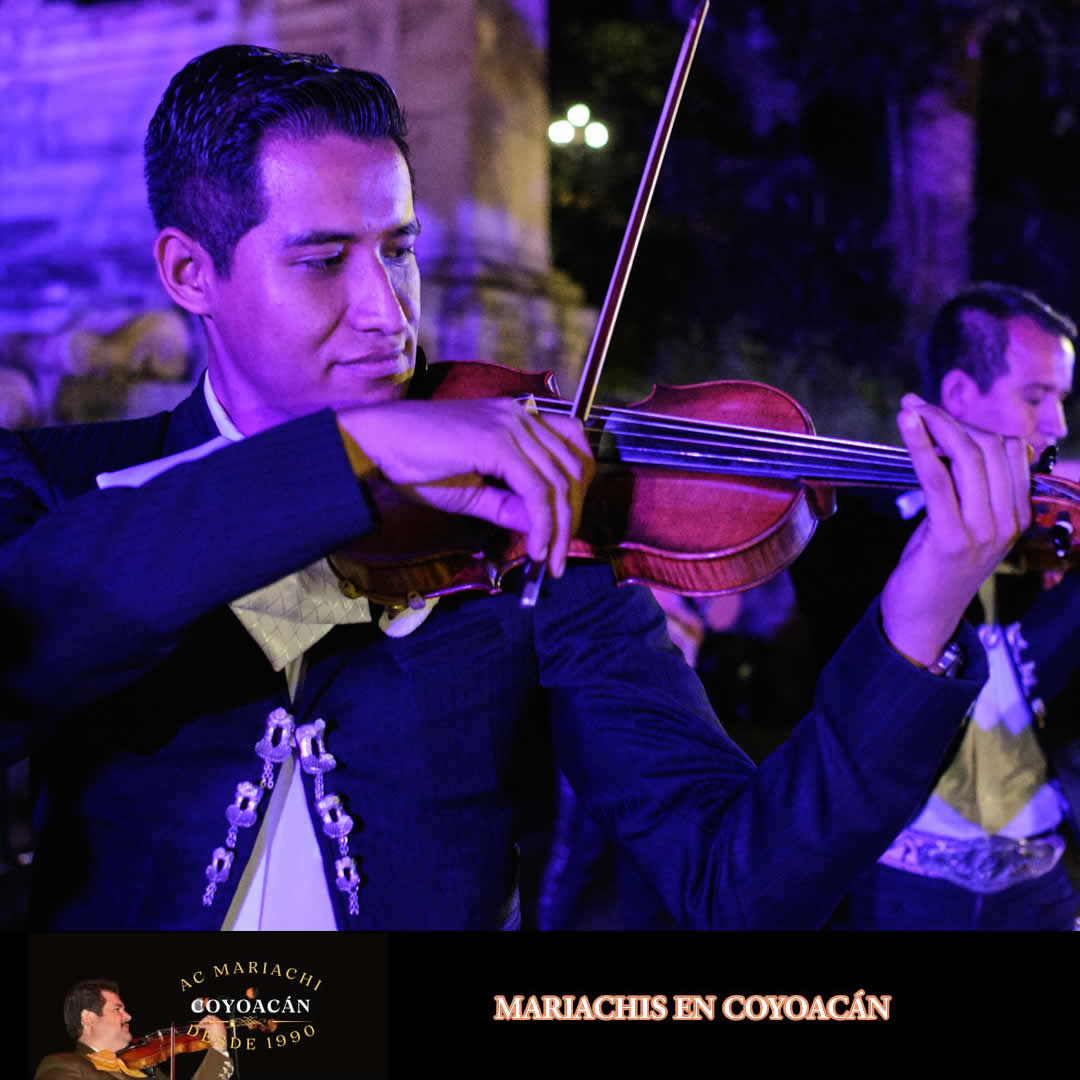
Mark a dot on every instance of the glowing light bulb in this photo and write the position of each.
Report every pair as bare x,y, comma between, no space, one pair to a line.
596,135
578,115
561,132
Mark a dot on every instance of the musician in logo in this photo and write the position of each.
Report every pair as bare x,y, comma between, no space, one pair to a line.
98,1021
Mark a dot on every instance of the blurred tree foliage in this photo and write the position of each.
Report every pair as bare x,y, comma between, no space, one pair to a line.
767,254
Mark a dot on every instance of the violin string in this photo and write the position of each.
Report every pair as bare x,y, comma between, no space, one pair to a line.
1051,486
735,439
721,449
843,449
896,469
643,435
765,436
780,463
782,469
679,423
727,450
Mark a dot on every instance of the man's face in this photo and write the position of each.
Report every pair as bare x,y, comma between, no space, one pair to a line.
1026,400
322,304
109,1031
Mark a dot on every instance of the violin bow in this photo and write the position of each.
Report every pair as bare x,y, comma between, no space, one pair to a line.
609,311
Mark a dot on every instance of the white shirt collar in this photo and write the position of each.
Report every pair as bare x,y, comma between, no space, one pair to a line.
217,411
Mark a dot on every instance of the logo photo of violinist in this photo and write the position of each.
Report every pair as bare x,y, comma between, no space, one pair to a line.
163,1006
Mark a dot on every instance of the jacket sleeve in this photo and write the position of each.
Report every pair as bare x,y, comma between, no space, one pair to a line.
725,844
63,1067
215,1066
95,590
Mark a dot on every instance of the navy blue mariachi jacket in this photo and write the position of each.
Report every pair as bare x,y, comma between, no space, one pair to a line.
141,697
850,558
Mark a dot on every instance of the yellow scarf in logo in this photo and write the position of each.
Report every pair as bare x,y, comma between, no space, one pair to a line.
107,1061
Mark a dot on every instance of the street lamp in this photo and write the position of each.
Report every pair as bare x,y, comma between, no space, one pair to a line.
578,127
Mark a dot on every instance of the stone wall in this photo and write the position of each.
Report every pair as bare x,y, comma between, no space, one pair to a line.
85,328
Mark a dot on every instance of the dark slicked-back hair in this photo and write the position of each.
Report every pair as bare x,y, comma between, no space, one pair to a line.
85,995
970,333
202,146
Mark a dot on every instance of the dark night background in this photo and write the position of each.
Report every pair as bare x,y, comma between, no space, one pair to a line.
772,250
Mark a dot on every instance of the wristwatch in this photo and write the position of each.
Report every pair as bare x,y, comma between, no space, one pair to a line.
950,662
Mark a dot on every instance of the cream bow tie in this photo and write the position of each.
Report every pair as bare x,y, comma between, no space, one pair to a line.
288,616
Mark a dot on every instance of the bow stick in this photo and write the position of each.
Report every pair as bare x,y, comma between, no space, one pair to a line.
609,311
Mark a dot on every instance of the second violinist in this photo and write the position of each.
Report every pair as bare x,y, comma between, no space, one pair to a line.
181,633
985,851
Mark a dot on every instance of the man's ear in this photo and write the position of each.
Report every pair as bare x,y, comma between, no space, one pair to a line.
958,391
186,270
87,1018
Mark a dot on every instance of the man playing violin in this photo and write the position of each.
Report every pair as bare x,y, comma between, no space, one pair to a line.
97,1020
984,851
217,727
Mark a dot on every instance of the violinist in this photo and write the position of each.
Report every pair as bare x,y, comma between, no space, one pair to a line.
984,852
217,725
97,1020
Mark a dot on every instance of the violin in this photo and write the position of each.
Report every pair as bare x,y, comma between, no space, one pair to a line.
702,490
150,1050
